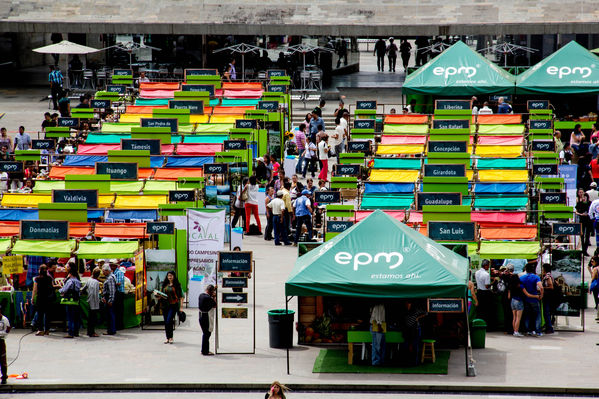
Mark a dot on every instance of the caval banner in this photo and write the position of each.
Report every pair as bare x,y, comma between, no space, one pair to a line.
205,238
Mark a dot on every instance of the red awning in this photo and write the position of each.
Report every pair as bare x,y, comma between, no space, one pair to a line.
501,119
159,85
143,109
242,86
510,232
199,149
9,228
399,215
59,172
96,149
79,230
120,230
176,173
499,217
499,140
411,119
395,140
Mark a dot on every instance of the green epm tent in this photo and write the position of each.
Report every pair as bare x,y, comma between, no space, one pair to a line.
459,71
380,257
570,70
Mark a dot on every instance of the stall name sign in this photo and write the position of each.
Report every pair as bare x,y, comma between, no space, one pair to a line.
152,145
447,146
450,170
566,229
235,145
89,197
364,124
12,264
437,199
268,105
451,231
43,144
544,169
496,97
201,72
122,72
44,230
276,88
235,297
347,170
246,124
235,261
235,282
359,146
543,145
68,122
181,195
275,73
537,104
327,197
445,305
540,124
216,168
194,88
195,107
117,170
120,89
451,124
338,226
371,105
99,104
453,105
160,227
552,198
172,123
10,166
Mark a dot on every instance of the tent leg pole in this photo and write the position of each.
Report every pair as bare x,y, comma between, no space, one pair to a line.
470,369
287,350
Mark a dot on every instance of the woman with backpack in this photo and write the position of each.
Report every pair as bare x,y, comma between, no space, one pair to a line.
43,296
70,298
250,195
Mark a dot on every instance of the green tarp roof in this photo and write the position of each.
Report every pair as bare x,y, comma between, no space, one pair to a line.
59,249
459,70
101,250
570,70
379,257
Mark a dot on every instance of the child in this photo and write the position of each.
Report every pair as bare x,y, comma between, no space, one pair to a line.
4,330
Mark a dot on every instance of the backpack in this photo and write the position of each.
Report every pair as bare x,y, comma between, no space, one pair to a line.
254,230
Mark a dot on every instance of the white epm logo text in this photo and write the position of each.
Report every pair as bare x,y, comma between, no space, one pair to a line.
584,72
450,71
364,258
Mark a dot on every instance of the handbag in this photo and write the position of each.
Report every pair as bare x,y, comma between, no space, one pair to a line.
244,195
182,317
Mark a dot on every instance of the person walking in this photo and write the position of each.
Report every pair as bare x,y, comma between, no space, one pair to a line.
44,296
119,302
239,204
405,49
251,203
380,48
323,156
392,54
4,330
581,210
270,195
276,391
300,142
303,215
92,289
55,79
171,304
22,140
309,157
336,138
277,206
70,298
207,304
108,299
532,309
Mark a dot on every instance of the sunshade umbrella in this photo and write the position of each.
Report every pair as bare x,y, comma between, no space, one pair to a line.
129,47
306,48
65,47
507,48
242,49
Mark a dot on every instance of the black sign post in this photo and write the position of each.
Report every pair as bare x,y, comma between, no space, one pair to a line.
121,89
152,145
201,72
44,230
99,104
327,197
89,197
537,104
68,122
440,170
160,227
453,105
216,169
235,282
566,229
437,199
195,107
449,124
11,166
276,88
540,124
338,226
545,169
117,170
181,195
359,146
445,305
347,170
368,105
268,105
364,124
194,87
543,145
447,146
451,231
172,123
275,73
246,124
235,261
43,144
234,145
553,198
234,297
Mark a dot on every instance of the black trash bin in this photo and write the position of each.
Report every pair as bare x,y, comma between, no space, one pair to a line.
280,328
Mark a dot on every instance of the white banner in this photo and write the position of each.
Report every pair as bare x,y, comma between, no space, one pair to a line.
205,238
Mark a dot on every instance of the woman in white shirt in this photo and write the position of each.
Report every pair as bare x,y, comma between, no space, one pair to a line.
336,138
310,157
251,204
323,156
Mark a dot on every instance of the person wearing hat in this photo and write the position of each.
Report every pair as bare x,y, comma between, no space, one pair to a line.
303,215
277,206
392,54
592,192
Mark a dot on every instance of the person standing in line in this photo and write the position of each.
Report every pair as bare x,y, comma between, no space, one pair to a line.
119,278
337,138
300,142
582,216
70,292
516,297
392,54
405,49
207,304
4,330
378,328
323,156
310,157
549,289
172,304
483,289
108,299
22,139
92,289
251,204
239,204
532,308
5,140
44,296
303,215
316,124
277,206
55,79
380,48
269,197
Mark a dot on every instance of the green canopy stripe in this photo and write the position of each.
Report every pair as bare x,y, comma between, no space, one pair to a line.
101,250
58,249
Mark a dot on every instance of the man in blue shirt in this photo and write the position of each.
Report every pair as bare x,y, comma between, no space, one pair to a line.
532,309
314,123
119,278
503,107
55,79
303,214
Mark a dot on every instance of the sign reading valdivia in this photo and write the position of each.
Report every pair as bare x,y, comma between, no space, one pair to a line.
216,168
160,227
327,197
44,230
117,170
338,226
445,305
171,123
451,124
152,145
246,124
364,123
447,146
437,199
451,231
89,197
181,195
235,261
566,229
440,170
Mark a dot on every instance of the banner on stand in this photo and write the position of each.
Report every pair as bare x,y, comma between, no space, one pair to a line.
567,273
139,281
205,238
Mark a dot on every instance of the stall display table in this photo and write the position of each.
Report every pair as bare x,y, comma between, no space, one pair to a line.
353,337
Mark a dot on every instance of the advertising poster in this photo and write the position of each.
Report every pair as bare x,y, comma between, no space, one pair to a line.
205,237
158,263
139,281
567,273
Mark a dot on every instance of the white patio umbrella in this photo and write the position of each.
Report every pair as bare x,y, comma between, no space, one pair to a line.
242,49
306,48
506,48
66,47
130,47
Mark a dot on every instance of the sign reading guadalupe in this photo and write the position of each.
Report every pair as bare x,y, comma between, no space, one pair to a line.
440,170
121,89
347,170
235,261
99,104
246,124
537,104
11,166
338,226
216,168
195,107
552,198
543,145
68,122
44,230
235,145
43,144
453,105
117,170
449,124
327,197
447,146
268,105
181,195
566,229
201,72
194,87
160,227
445,305
89,197
540,124
152,145
364,123
171,123
451,231
437,199
359,146
371,105
544,169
